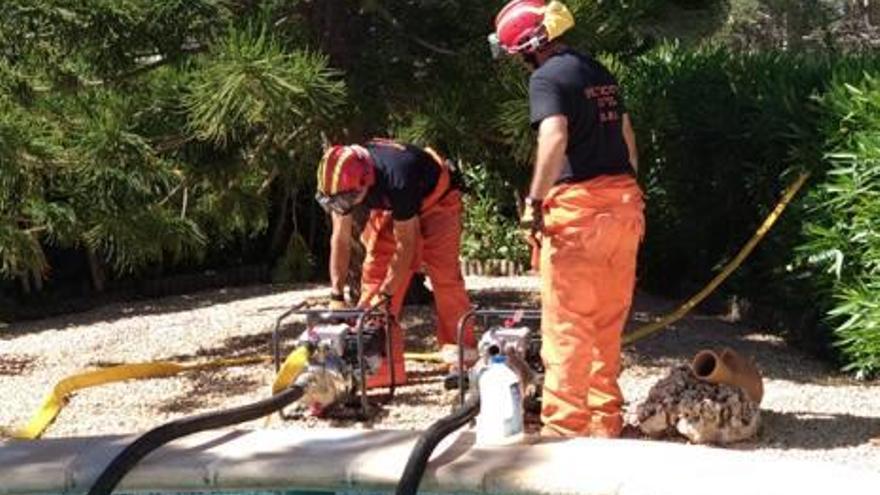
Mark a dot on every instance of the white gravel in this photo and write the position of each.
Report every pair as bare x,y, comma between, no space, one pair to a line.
809,411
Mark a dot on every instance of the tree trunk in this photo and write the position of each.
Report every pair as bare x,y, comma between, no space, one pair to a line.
332,25
873,12
278,239
312,237
37,279
96,269
25,281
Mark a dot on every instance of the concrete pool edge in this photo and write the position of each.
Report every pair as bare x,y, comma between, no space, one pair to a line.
347,459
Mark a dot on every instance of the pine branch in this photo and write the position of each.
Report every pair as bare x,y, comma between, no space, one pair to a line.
142,69
389,17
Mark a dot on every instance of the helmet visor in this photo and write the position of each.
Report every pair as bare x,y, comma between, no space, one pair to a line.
527,45
341,203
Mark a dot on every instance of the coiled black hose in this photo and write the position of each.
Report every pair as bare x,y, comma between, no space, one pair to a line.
418,459
161,435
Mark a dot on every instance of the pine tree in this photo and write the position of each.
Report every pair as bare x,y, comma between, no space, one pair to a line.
143,131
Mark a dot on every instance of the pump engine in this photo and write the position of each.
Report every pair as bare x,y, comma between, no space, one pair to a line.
518,337
346,347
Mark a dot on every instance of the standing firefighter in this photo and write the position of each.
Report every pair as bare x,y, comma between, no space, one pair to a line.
585,214
415,220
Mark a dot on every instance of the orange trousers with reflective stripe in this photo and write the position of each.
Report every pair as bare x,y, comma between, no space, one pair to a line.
438,247
592,232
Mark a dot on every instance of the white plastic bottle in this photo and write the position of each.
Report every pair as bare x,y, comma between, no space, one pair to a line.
500,421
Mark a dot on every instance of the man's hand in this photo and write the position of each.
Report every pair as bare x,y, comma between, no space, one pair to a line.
379,299
532,221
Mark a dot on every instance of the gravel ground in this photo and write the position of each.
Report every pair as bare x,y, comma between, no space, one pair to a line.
809,411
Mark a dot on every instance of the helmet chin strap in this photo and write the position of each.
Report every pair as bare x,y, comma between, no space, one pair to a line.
534,43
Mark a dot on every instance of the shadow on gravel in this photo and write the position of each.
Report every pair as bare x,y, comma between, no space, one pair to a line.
259,344
815,431
208,387
504,299
12,364
115,311
423,376
679,342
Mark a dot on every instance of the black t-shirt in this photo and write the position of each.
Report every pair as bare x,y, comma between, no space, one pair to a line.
579,87
405,176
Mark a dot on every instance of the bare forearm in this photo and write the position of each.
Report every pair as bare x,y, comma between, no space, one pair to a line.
405,235
339,258
547,169
552,142
340,253
398,269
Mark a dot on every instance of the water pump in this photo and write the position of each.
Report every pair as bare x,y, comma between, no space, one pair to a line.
346,348
515,333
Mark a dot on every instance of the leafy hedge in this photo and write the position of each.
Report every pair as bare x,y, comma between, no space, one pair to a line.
721,134
842,231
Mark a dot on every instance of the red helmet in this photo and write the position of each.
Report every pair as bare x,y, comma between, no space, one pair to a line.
344,169
524,26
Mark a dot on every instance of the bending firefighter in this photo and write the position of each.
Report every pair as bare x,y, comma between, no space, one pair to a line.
585,214
415,220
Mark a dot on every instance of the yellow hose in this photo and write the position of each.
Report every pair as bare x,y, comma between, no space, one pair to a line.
297,360
56,399
292,367
685,308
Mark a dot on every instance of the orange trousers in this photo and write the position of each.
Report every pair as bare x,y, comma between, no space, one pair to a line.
438,248
592,232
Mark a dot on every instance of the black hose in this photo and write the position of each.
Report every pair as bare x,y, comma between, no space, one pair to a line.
418,459
161,435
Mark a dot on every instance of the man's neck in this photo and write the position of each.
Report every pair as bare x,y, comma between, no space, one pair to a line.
545,54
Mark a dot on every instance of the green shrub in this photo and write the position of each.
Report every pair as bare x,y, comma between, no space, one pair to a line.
490,220
842,245
720,135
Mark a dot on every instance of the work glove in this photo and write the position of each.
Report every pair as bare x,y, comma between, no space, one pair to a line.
532,222
533,218
337,302
382,299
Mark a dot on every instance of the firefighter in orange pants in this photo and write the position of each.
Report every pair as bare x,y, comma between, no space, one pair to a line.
415,220
584,213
